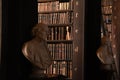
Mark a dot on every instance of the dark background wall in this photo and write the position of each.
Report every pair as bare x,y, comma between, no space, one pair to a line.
92,39
0,26
19,16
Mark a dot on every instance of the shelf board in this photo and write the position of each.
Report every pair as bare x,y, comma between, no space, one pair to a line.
58,11
43,1
59,25
59,41
58,60
107,14
108,22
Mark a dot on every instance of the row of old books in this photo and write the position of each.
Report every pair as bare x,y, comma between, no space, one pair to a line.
108,27
60,33
106,2
61,68
56,18
61,51
107,9
58,14
54,6
107,18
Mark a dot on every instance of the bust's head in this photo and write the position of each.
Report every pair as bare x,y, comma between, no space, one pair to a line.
40,30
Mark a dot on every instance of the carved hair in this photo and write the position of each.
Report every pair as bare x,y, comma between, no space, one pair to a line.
39,28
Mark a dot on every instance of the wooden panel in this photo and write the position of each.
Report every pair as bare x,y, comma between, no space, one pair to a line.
116,32
78,42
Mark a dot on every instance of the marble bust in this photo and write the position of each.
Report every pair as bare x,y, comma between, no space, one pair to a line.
36,50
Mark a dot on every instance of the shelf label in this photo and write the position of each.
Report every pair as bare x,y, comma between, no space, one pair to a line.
76,15
76,31
76,49
75,69
76,3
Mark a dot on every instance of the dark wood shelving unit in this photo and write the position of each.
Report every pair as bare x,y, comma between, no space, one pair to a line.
67,25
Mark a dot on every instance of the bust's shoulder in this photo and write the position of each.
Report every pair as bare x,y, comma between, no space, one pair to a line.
27,43
30,42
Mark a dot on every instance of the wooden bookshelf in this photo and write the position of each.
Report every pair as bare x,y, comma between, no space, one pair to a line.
63,22
106,7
